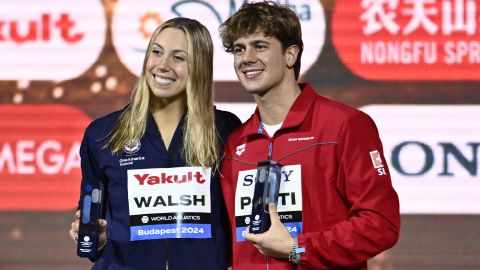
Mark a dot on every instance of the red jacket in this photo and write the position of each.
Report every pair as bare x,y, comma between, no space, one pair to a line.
336,186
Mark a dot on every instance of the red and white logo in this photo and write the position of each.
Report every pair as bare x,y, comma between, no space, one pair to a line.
50,40
377,162
376,159
165,178
408,40
241,149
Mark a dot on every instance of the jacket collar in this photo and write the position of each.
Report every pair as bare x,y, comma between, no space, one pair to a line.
295,116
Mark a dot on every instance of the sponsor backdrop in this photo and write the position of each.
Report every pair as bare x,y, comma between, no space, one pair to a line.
413,65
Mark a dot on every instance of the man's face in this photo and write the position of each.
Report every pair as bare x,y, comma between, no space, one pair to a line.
259,62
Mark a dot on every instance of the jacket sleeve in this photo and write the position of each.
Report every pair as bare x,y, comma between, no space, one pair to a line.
227,183
363,181
91,173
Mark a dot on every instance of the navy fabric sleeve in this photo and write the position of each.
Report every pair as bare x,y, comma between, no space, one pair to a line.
91,174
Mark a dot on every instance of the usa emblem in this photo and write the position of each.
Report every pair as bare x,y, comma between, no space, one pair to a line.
132,147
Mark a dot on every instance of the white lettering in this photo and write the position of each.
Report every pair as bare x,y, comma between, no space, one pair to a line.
24,155
459,17
73,159
376,16
47,157
7,159
462,51
398,52
420,16
56,160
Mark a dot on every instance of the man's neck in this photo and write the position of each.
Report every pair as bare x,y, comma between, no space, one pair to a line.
275,104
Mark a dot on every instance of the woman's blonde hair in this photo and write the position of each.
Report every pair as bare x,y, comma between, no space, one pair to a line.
199,136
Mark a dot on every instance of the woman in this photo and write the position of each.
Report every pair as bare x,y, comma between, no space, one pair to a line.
170,124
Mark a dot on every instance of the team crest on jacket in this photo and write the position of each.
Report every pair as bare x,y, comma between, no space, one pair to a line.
240,149
377,162
132,147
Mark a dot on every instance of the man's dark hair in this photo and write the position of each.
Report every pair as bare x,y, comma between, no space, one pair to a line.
274,20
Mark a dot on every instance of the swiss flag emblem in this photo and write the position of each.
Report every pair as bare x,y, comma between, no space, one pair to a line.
376,159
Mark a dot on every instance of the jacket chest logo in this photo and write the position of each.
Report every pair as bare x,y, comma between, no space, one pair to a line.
240,149
132,147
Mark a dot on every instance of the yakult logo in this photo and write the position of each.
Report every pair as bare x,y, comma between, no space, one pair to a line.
37,32
43,28
135,20
165,178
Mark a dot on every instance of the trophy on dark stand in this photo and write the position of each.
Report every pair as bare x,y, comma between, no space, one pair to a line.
267,187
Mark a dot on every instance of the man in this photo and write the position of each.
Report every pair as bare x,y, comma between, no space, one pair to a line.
336,207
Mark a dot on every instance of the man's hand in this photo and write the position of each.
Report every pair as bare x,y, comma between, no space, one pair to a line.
103,229
277,241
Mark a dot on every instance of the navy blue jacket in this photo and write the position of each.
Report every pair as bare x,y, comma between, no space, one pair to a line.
98,164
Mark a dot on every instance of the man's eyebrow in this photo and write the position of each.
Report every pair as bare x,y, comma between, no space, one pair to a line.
255,41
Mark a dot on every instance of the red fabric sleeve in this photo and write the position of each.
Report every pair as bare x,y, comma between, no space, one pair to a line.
226,182
372,223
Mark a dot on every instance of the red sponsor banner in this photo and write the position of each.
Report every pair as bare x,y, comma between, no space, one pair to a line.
68,35
39,157
432,40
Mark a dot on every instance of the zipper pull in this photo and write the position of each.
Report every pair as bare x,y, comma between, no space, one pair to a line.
270,150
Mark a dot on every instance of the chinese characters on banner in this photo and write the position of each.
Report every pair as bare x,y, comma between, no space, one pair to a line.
409,39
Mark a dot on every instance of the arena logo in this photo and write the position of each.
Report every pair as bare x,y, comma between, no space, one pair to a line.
409,40
433,155
67,35
135,20
39,157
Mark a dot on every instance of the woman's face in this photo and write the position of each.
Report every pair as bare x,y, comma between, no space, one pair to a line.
167,67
